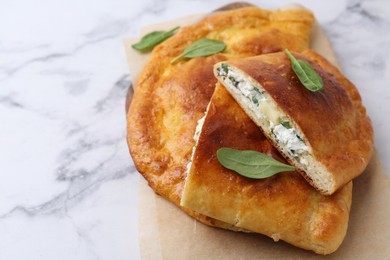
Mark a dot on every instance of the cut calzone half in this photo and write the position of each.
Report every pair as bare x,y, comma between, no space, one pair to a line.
283,207
325,134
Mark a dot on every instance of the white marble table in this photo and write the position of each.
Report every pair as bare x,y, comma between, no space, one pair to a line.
68,186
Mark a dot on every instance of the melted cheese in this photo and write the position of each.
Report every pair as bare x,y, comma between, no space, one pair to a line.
270,112
263,106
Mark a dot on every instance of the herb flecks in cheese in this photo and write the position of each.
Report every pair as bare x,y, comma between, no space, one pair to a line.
273,118
289,138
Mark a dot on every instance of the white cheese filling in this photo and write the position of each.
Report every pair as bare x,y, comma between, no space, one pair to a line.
257,98
198,129
273,119
289,138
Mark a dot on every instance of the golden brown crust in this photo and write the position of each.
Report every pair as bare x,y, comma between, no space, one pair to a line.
359,149
283,206
170,98
332,120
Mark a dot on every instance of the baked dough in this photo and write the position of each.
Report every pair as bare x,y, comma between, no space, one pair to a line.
283,206
169,99
326,134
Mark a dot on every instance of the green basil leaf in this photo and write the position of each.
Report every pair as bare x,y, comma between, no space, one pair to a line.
251,164
202,47
305,73
286,124
150,40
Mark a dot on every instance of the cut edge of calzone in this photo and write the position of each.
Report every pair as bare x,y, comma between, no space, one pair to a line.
269,92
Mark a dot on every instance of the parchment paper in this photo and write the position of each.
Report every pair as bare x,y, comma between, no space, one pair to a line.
165,232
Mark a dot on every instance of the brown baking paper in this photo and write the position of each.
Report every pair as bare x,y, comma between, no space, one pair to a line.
165,232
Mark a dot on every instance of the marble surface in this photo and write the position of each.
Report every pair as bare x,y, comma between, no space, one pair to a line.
68,186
